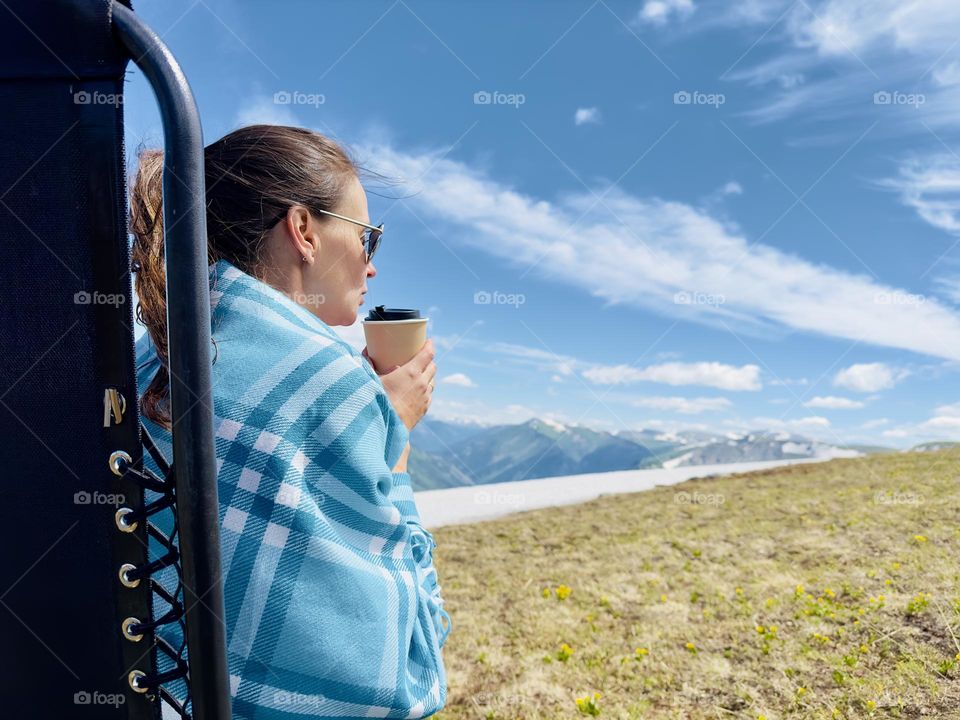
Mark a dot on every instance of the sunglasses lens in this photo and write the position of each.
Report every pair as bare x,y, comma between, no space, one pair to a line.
373,242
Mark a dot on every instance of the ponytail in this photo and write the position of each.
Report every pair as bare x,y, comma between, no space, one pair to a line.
253,176
147,256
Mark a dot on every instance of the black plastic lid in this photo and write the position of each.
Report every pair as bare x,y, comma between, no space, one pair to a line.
381,312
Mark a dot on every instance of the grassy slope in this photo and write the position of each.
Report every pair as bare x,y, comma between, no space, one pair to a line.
810,550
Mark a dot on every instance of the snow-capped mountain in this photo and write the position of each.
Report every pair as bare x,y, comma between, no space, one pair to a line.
446,454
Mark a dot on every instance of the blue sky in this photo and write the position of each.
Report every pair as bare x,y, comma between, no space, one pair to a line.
660,214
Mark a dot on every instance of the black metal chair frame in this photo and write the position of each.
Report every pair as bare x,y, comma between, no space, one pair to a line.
67,595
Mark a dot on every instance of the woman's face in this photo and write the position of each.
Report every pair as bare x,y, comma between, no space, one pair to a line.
335,283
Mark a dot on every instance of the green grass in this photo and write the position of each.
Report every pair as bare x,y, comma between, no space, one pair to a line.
814,591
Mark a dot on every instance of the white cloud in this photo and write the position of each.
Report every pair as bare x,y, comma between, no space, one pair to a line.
542,359
670,248
868,377
948,74
813,421
805,424
786,382
586,115
458,379
658,12
686,406
832,402
481,413
732,188
872,424
833,54
943,425
931,186
949,287
841,27
262,110
710,374
949,410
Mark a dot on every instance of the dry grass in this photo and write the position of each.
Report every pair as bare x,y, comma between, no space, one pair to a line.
814,591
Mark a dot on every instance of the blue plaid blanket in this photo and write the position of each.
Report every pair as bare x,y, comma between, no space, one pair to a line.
333,607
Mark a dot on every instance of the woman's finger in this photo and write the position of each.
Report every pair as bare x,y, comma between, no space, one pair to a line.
424,357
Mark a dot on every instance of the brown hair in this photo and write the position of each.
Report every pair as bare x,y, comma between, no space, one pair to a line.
253,176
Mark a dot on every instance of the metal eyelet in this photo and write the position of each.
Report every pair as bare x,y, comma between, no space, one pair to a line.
115,458
120,518
126,581
128,633
133,680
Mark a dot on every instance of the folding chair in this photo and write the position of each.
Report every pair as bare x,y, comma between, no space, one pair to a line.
79,609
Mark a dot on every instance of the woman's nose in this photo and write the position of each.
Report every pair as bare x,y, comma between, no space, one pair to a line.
371,270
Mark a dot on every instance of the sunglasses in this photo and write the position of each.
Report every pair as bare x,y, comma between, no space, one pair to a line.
371,236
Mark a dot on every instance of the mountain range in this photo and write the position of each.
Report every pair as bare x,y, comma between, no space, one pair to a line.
451,454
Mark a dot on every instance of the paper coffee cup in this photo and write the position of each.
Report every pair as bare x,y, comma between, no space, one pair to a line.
394,336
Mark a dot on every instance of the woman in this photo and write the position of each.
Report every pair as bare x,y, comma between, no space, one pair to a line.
332,603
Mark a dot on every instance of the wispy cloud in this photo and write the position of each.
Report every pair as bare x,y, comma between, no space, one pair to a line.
827,58
804,424
931,186
262,109
832,402
709,374
658,12
682,405
949,287
659,250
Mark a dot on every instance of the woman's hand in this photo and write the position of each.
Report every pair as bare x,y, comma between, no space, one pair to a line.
410,386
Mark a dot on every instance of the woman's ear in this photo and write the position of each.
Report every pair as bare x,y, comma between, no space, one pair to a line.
300,233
